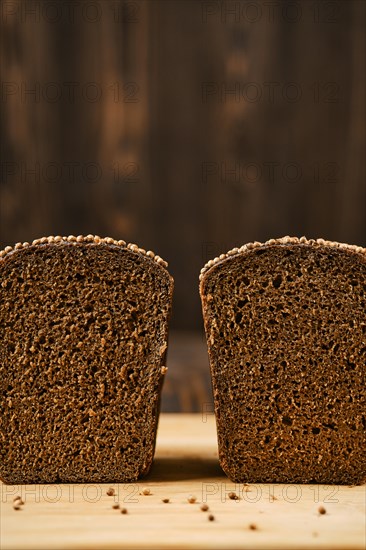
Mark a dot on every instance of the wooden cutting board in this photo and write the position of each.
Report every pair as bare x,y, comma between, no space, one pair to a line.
266,516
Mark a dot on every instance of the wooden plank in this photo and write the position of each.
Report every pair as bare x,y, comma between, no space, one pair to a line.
285,516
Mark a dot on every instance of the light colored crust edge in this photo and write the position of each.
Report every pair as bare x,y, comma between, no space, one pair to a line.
283,240
71,239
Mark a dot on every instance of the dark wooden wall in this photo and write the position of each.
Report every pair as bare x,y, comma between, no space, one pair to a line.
183,126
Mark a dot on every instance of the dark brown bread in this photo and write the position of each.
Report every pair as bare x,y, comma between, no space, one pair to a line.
83,339
286,329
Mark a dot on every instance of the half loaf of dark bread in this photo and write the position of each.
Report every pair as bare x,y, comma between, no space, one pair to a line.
286,330
83,339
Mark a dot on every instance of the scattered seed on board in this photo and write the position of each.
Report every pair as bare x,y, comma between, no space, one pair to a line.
17,502
115,506
110,492
192,499
124,511
252,527
322,510
211,517
233,496
204,508
146,491
166,500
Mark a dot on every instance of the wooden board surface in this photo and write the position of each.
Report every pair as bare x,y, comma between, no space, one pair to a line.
82,516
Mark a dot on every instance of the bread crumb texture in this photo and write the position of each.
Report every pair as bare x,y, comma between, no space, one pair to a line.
286,330
83,337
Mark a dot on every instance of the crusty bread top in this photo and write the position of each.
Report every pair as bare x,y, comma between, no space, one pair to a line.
87,239
284,241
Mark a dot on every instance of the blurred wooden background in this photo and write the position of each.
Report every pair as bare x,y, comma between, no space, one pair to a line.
188,127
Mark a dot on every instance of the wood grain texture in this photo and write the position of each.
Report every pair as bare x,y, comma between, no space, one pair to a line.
82,516
187,387
186,174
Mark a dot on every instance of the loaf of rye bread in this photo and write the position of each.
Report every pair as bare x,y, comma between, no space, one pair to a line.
286,330
83,340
